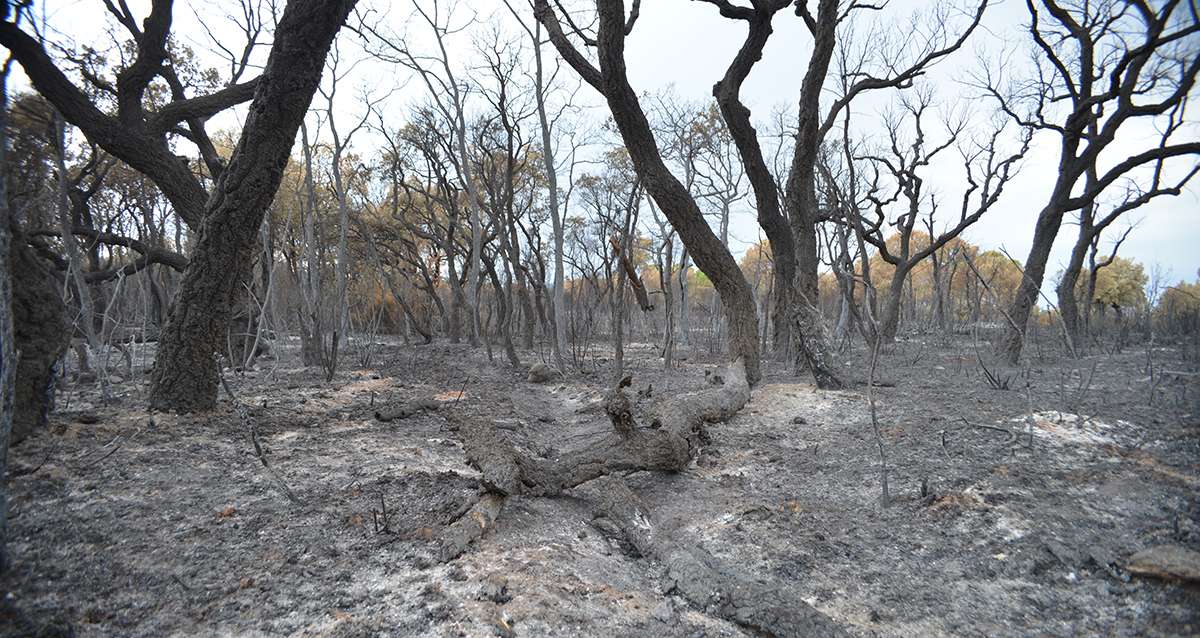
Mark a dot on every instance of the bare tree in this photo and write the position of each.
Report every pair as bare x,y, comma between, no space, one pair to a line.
988,169
676,203
340,143
1092,225
790,221
449,96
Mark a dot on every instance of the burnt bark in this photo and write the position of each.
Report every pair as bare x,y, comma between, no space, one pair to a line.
185,374
1068,305
41,335
745,139
8,349
1048,223
800,206
794,246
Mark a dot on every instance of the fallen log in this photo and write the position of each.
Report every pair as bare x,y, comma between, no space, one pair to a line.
668,443
405,409
489,453
471,526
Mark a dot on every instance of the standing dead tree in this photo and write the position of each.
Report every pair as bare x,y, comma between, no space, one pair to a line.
340,174
1097,68
449,96
665,260
505,170
542,84
1092,225
676,203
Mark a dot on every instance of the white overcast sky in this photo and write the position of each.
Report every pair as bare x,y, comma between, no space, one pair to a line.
688,45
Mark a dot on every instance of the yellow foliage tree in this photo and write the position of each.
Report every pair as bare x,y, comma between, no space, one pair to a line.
1121,284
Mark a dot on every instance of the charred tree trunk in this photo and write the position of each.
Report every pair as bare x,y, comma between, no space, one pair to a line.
1085,242
939,292
793,248
762,182
1048,223
800,206
685,307
889,321
185,374
559,304
457,297
631,275
668,443
8,348
1068,304
504,314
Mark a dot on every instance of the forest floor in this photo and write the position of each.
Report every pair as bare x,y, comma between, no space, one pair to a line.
126,523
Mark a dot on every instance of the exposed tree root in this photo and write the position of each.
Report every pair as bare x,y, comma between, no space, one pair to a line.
702,579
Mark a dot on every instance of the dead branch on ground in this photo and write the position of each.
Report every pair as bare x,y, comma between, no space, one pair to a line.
671,437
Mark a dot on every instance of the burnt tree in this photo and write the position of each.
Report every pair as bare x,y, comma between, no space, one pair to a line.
790,222
988,170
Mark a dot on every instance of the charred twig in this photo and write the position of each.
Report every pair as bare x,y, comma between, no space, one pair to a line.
461,392
994,378
381,514
1012,436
